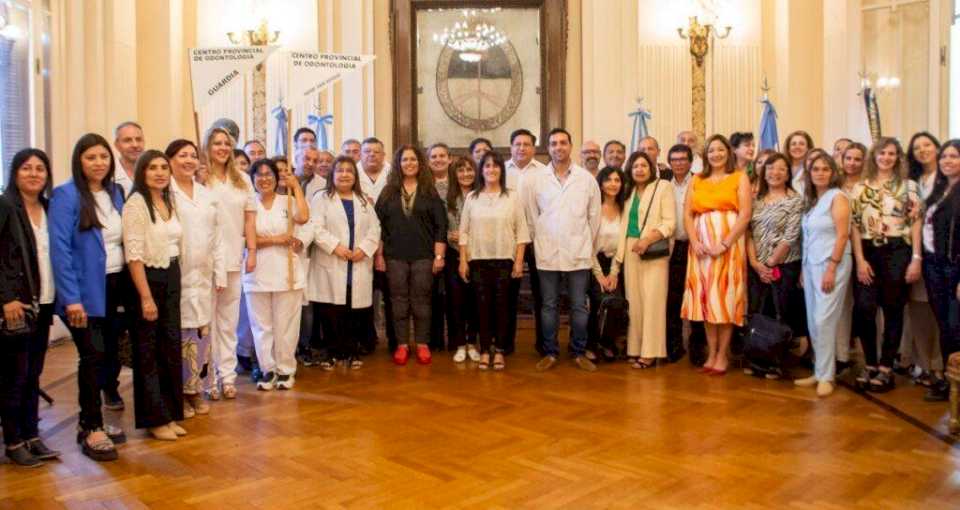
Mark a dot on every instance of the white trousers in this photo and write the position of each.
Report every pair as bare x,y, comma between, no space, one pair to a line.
223,329
275,322
824,312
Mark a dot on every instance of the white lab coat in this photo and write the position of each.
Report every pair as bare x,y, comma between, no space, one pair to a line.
202,263
327,282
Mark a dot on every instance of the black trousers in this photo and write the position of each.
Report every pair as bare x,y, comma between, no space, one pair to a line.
889,292
381,283
778,296
343,326
120,292
491,279
941,277
531,259
461,304
97,343
438,340
600,339
157,353
21,362
675,289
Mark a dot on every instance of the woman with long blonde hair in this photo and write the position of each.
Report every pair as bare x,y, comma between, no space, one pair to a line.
236,208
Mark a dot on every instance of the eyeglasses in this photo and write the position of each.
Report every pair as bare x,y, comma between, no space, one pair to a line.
680,160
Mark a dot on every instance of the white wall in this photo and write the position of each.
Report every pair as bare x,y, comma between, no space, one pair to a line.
640,54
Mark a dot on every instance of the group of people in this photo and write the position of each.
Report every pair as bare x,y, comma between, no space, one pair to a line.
197,252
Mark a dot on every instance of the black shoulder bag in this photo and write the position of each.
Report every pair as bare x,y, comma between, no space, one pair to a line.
660,248
28,325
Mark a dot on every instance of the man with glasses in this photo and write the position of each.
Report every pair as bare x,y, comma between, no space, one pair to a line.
680,158
590,157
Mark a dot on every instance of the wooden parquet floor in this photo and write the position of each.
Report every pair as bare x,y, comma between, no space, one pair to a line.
445,436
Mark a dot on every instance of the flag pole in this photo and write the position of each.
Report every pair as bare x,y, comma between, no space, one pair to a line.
289,121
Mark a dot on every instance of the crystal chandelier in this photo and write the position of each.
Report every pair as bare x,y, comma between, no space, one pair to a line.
471,37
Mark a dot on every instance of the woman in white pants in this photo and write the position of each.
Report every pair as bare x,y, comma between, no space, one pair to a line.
236,216
201,268
827,265
274,290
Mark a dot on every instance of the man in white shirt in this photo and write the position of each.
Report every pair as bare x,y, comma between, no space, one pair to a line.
373,178
689,138
373,175
523,148
681,158
562,203
614,154
129,142
590,157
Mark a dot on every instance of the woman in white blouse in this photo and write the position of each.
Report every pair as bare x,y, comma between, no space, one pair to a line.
26,287
151,243
493,237
201,269
274,289
236,216
347,234
606,271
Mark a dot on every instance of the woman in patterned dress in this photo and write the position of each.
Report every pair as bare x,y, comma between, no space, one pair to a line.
716,214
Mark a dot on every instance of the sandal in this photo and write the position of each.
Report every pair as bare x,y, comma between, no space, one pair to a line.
229,391
213,394
356,363
484,362
102,450
640,364
498,362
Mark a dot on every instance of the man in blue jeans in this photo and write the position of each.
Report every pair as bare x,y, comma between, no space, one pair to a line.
562,203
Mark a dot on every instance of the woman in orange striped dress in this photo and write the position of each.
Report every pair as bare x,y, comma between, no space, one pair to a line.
716,215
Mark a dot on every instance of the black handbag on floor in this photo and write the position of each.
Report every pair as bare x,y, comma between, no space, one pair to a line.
766,339
612,314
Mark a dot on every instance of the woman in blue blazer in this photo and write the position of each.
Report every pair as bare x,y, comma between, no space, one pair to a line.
85,243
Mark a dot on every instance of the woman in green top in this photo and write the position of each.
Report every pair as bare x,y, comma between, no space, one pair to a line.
651,216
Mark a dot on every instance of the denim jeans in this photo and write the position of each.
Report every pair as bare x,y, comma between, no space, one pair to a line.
942,277
577,283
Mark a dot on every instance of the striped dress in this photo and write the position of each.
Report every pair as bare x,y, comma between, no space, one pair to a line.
716,287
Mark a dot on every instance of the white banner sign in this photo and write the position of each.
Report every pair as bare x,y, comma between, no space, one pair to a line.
309,72
212,70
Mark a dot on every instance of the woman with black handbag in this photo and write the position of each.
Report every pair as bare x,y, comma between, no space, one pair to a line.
27,292
607,278
773,249
644,251
827,265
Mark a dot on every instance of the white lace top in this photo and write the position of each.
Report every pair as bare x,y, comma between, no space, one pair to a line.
146,241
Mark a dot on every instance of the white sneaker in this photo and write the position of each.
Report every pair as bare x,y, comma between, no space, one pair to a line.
461,355
268,382
285,382
473,353
806,381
